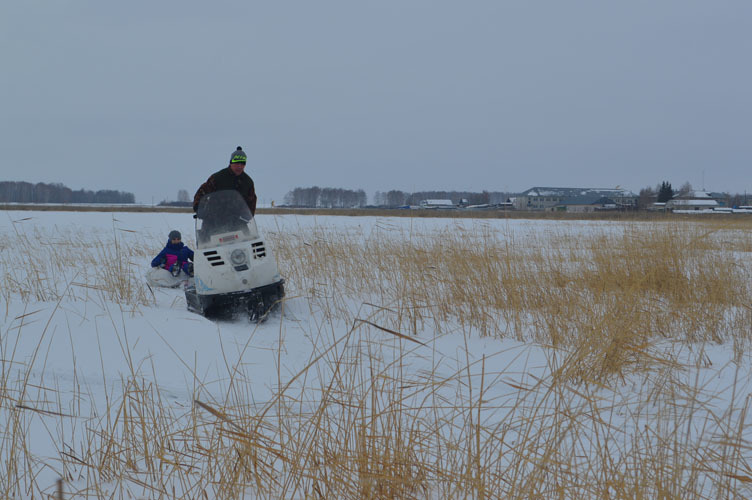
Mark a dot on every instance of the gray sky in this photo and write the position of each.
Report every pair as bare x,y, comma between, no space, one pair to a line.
152,97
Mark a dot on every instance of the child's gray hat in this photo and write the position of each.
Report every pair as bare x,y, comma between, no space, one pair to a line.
174,235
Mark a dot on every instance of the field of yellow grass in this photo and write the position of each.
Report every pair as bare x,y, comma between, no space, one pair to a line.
436,358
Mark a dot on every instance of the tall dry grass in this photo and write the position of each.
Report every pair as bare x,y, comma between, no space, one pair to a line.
616,413
609,289
39,265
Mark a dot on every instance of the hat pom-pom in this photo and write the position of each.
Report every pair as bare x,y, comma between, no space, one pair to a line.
239,149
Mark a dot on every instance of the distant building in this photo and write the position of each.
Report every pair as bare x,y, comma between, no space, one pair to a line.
505,205
658,206
721,198
694,200
587,204
548,198
437,204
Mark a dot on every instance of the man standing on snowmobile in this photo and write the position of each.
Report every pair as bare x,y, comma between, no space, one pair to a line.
231,177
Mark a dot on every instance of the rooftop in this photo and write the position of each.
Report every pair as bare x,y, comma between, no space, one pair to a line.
564,192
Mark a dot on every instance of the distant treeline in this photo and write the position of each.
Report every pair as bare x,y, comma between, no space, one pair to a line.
26,192
326,198
317,197
396,198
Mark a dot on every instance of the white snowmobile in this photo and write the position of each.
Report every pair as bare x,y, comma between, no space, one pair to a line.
234,270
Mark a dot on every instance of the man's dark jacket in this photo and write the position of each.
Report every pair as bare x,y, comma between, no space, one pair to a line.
226,179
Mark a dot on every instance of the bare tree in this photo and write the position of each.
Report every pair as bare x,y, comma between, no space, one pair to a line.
685,190
648,196
396,198
25,192
326,197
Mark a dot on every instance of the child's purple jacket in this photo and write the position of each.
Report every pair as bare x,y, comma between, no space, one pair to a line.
171,253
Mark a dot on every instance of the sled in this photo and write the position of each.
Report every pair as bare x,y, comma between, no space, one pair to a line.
162,278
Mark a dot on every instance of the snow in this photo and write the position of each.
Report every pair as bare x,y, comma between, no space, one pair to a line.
698,203
77,354
712,211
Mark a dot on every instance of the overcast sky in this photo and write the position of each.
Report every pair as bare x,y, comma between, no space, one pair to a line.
152,97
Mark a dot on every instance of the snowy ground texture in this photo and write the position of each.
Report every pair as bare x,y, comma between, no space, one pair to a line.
119,391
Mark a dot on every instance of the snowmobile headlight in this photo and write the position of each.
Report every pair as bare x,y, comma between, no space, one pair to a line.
238,257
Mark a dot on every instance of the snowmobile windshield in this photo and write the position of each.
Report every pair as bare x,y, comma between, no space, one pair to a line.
224,218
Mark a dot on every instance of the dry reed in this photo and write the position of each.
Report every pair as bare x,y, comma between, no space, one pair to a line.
615,416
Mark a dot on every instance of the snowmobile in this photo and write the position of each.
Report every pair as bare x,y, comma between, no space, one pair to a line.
234,270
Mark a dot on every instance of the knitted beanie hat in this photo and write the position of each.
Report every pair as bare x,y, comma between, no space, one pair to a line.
238,156
174,235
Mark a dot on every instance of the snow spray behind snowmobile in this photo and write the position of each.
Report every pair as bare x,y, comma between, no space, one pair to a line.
234,270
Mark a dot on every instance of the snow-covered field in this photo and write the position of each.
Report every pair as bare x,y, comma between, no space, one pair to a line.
121,392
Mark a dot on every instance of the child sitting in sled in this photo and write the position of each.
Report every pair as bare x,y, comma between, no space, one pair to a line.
175,256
